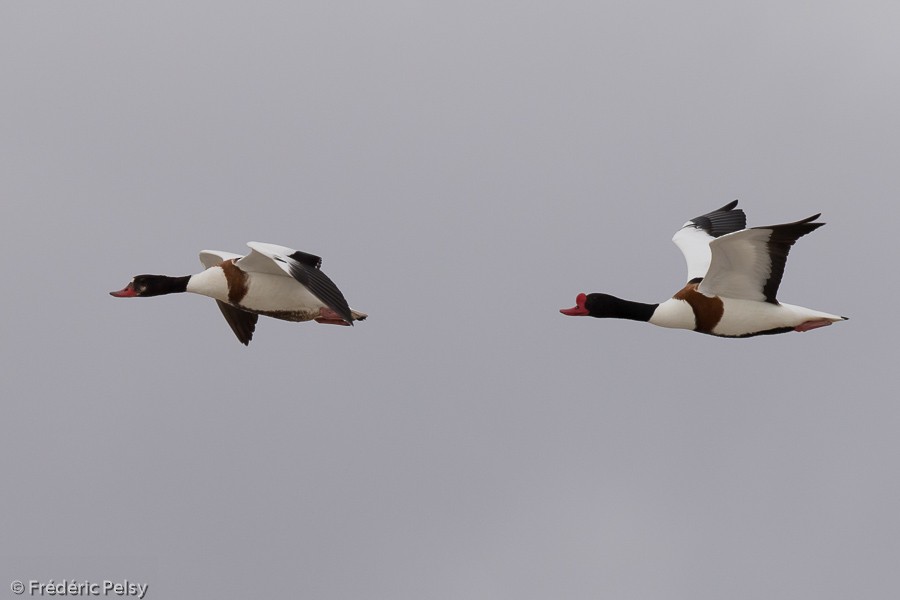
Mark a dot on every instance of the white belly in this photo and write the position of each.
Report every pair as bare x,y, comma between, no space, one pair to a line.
265,293
211,283
741,317
673,313
274,293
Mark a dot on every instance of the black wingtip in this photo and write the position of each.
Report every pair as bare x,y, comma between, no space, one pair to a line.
781,239
722,221
730,205
322,288
308,259
808,219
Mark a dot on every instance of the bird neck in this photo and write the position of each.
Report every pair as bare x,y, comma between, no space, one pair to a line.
171,285
629,309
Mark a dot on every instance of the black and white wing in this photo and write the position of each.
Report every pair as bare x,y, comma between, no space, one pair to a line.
694,238
302,266
749,264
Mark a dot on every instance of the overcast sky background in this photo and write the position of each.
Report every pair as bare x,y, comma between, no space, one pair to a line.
465,169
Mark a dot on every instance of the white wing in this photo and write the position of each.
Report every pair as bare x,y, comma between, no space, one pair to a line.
210,258
266,258
740,265
694,245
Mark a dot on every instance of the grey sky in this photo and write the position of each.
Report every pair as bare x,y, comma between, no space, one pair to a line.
465,169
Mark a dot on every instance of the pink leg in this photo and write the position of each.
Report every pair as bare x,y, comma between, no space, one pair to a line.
808,325
329,317
332,321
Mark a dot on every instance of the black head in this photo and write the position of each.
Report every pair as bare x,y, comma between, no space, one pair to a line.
591,305
152,285
604,306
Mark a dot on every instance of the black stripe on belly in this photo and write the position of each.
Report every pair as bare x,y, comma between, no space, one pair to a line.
774,331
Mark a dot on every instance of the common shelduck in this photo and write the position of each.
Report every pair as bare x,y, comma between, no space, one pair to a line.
733,278
273,281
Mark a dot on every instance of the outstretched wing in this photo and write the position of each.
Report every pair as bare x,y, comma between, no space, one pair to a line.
211,258
302,266
749,264
694,238
242,323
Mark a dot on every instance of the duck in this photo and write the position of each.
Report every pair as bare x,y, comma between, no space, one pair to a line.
733,278
272,280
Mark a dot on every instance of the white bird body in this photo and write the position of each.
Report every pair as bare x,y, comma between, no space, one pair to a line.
265,293
741,316
210,283
674,314
738,316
